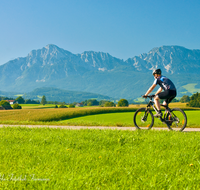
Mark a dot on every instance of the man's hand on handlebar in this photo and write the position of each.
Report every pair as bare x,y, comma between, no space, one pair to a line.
148,96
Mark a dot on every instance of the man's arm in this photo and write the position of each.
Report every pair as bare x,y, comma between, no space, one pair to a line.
150,89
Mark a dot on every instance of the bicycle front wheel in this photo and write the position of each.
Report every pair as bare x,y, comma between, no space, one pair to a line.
177,119
143,119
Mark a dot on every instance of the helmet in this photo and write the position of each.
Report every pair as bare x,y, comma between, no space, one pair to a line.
157,71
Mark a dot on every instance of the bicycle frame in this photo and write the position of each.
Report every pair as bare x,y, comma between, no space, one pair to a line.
167,109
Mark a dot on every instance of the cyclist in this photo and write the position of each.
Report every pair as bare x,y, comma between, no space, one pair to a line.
165,84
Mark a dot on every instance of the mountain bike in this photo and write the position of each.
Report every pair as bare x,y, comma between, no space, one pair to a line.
174,118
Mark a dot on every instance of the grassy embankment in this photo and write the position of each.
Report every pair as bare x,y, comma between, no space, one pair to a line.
44,158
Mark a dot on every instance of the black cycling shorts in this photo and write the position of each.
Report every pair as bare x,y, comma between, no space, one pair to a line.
168,95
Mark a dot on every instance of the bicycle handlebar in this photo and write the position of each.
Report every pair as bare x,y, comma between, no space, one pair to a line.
150,96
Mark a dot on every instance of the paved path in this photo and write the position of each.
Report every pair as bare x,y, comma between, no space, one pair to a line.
92,127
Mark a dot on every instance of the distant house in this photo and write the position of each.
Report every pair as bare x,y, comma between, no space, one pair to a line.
12,101
79,105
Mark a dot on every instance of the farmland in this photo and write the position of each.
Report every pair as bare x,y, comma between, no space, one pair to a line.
89,116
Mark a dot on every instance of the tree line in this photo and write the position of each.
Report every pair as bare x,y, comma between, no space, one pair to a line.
105,103
90,102
192,101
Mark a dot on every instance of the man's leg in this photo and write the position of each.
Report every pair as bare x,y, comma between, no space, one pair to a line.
157,103
165,103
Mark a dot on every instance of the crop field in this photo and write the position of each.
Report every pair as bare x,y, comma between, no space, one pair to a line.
88,116
52,115
44,158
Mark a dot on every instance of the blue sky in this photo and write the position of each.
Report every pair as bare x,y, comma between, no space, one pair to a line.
122,28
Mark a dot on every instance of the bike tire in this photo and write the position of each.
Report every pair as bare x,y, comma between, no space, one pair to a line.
178,120
143,119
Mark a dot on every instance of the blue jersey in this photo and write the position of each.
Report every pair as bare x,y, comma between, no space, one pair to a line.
165,83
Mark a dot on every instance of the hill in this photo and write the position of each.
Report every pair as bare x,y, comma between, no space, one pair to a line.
55,94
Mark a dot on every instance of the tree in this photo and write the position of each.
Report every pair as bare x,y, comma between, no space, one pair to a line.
20,100
185,99
123,103
195,100
29,101
109,104
89,104
175,100
43,101
102,102
17,106
71,106
92,102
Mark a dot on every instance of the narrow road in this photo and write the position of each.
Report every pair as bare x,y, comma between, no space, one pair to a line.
92,127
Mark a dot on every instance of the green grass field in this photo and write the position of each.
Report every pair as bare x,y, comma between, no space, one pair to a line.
44,158
124,119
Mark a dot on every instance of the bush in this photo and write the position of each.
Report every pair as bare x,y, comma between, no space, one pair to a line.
17,106
123,103
62,106
5,104
71,106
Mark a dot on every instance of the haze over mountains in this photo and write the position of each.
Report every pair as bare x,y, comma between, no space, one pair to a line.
101,73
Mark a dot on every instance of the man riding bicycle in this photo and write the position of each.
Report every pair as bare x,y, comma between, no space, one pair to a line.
165,84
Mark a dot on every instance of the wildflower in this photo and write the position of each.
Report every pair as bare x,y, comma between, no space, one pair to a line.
191,164
100,156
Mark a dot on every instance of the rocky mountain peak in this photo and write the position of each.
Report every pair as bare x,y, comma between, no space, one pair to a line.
171,59
98,72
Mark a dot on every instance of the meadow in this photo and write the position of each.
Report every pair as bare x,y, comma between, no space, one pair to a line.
46,158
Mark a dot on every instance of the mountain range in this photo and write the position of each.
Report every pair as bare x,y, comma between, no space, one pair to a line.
101,73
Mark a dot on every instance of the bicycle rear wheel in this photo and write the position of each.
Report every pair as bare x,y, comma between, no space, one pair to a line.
143,119
177,120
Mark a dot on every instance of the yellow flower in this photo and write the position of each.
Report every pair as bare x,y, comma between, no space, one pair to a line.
191,164
100,156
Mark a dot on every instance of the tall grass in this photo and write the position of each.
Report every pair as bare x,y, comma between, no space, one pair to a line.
41,158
